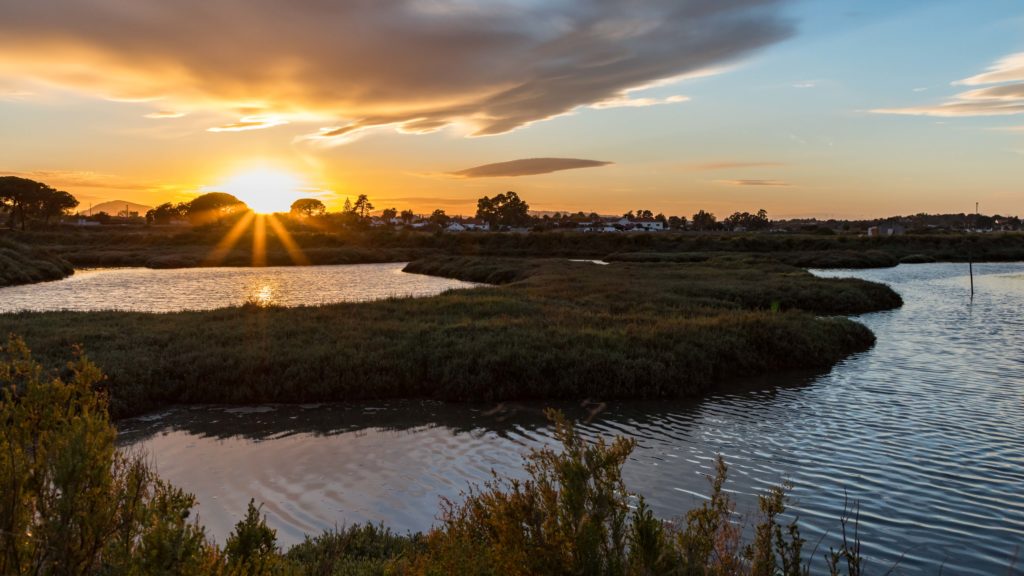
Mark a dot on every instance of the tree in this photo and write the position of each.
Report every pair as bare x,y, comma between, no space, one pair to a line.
164,213
503,210
389,214
704,221
215,207
56,204
749,221
440,218
347,209
362,207
308,207
24,199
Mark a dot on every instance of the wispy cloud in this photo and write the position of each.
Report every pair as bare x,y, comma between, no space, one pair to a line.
630,102
424,201
754,182
1002,94
15,95
806,84
729,165
249,123
72,179
164,115
1008,69
527,167
491,67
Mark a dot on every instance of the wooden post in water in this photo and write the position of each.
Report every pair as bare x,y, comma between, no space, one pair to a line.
970,252
970,264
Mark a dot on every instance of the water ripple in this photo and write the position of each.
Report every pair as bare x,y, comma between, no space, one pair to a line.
925,432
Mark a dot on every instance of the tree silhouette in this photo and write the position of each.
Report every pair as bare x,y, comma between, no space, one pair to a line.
362,207
56,204
704,221
440,218
308,207
24,199
215,207
164,213
503,210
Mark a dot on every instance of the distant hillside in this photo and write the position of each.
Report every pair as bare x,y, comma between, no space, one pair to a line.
114,207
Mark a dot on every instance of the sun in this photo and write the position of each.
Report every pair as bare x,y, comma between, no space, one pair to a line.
264,190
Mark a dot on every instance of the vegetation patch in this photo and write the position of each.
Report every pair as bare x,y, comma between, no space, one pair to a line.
21,264
555,330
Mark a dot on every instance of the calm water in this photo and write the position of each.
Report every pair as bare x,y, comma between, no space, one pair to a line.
148,290
925,431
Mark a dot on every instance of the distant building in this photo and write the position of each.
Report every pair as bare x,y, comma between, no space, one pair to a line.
886,230
649,225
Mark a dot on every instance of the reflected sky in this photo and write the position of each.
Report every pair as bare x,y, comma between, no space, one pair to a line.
925,431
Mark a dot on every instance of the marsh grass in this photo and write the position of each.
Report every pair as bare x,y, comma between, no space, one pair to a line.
22,264
555,330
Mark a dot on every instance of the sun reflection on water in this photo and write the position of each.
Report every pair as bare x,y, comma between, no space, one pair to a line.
262,295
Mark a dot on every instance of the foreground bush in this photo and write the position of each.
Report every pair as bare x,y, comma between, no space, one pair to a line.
73,505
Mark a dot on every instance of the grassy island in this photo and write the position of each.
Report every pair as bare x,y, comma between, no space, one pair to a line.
551,329
21,264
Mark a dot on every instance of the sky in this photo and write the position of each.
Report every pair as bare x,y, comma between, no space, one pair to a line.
813,108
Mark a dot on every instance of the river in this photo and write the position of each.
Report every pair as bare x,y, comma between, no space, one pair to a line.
148,290
925,432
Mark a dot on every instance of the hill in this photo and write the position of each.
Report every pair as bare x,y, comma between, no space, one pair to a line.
114,207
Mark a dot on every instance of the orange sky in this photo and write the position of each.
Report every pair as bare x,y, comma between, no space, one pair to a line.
854,109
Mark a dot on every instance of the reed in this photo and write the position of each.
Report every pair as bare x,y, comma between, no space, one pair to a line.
552,330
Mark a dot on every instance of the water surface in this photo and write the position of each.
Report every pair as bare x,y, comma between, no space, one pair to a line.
148,290
925,431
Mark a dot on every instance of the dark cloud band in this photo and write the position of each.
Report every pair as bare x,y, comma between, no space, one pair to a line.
527,167
417,65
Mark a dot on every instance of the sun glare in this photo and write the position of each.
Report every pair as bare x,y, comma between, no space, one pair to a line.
265,190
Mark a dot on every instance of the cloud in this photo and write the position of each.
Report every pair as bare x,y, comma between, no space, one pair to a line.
754,182
414,65
249,123
710,166
630,102
527,167
164,115
806,84
1004,98
426,201
1008,69
70,179
15,95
